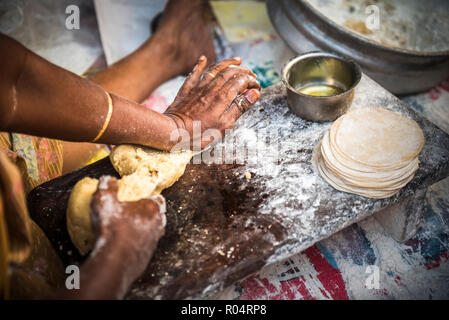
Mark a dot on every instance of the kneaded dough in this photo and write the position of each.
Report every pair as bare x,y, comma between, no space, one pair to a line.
144,172
142,165
78,214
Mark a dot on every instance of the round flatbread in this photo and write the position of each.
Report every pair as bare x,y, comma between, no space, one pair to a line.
377,137
370,151
373,178
357,165
338,184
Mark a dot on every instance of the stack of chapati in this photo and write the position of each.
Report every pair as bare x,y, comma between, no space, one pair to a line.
369,151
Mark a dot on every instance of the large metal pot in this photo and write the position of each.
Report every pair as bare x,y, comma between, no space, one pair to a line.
398,70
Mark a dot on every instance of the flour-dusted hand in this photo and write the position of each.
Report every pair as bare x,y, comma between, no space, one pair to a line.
216,97
138,225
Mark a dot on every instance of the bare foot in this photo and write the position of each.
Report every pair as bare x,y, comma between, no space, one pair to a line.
183,30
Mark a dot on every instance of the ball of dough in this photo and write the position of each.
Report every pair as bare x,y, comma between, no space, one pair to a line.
78,215
144,171
162,168
137,186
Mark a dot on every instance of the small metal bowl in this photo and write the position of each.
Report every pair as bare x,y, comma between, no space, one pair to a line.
320,86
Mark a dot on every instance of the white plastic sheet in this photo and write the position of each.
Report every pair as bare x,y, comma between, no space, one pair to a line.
125,24
41,27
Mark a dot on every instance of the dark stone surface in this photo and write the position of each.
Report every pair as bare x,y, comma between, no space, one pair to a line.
47,205
222,226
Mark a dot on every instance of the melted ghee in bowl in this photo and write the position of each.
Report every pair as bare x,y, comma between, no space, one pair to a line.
320,89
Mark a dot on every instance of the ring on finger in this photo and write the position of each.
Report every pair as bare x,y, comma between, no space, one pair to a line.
240,103
211,74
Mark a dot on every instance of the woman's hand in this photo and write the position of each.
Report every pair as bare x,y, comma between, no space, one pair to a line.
127,235
134,226
216,98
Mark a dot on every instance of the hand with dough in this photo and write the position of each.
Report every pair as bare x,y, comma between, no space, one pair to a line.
136,226
216,98
126,235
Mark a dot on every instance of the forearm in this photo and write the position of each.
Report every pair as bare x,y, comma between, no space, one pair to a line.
137,75
107,274
45,100
135,124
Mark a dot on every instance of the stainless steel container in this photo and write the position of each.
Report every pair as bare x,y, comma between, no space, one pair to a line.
400,71
315,70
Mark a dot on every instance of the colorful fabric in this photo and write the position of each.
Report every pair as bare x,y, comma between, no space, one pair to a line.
363,262
29,266
42,157
243,20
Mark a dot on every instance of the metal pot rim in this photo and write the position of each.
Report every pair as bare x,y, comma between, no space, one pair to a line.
369,42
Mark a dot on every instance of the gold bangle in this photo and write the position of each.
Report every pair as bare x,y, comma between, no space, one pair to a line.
108,118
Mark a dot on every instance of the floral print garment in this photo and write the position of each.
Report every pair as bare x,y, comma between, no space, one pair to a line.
42,156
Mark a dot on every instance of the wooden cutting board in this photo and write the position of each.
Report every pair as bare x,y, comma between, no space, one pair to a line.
222,226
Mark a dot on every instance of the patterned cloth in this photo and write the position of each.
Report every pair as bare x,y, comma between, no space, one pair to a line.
42,157
29,266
